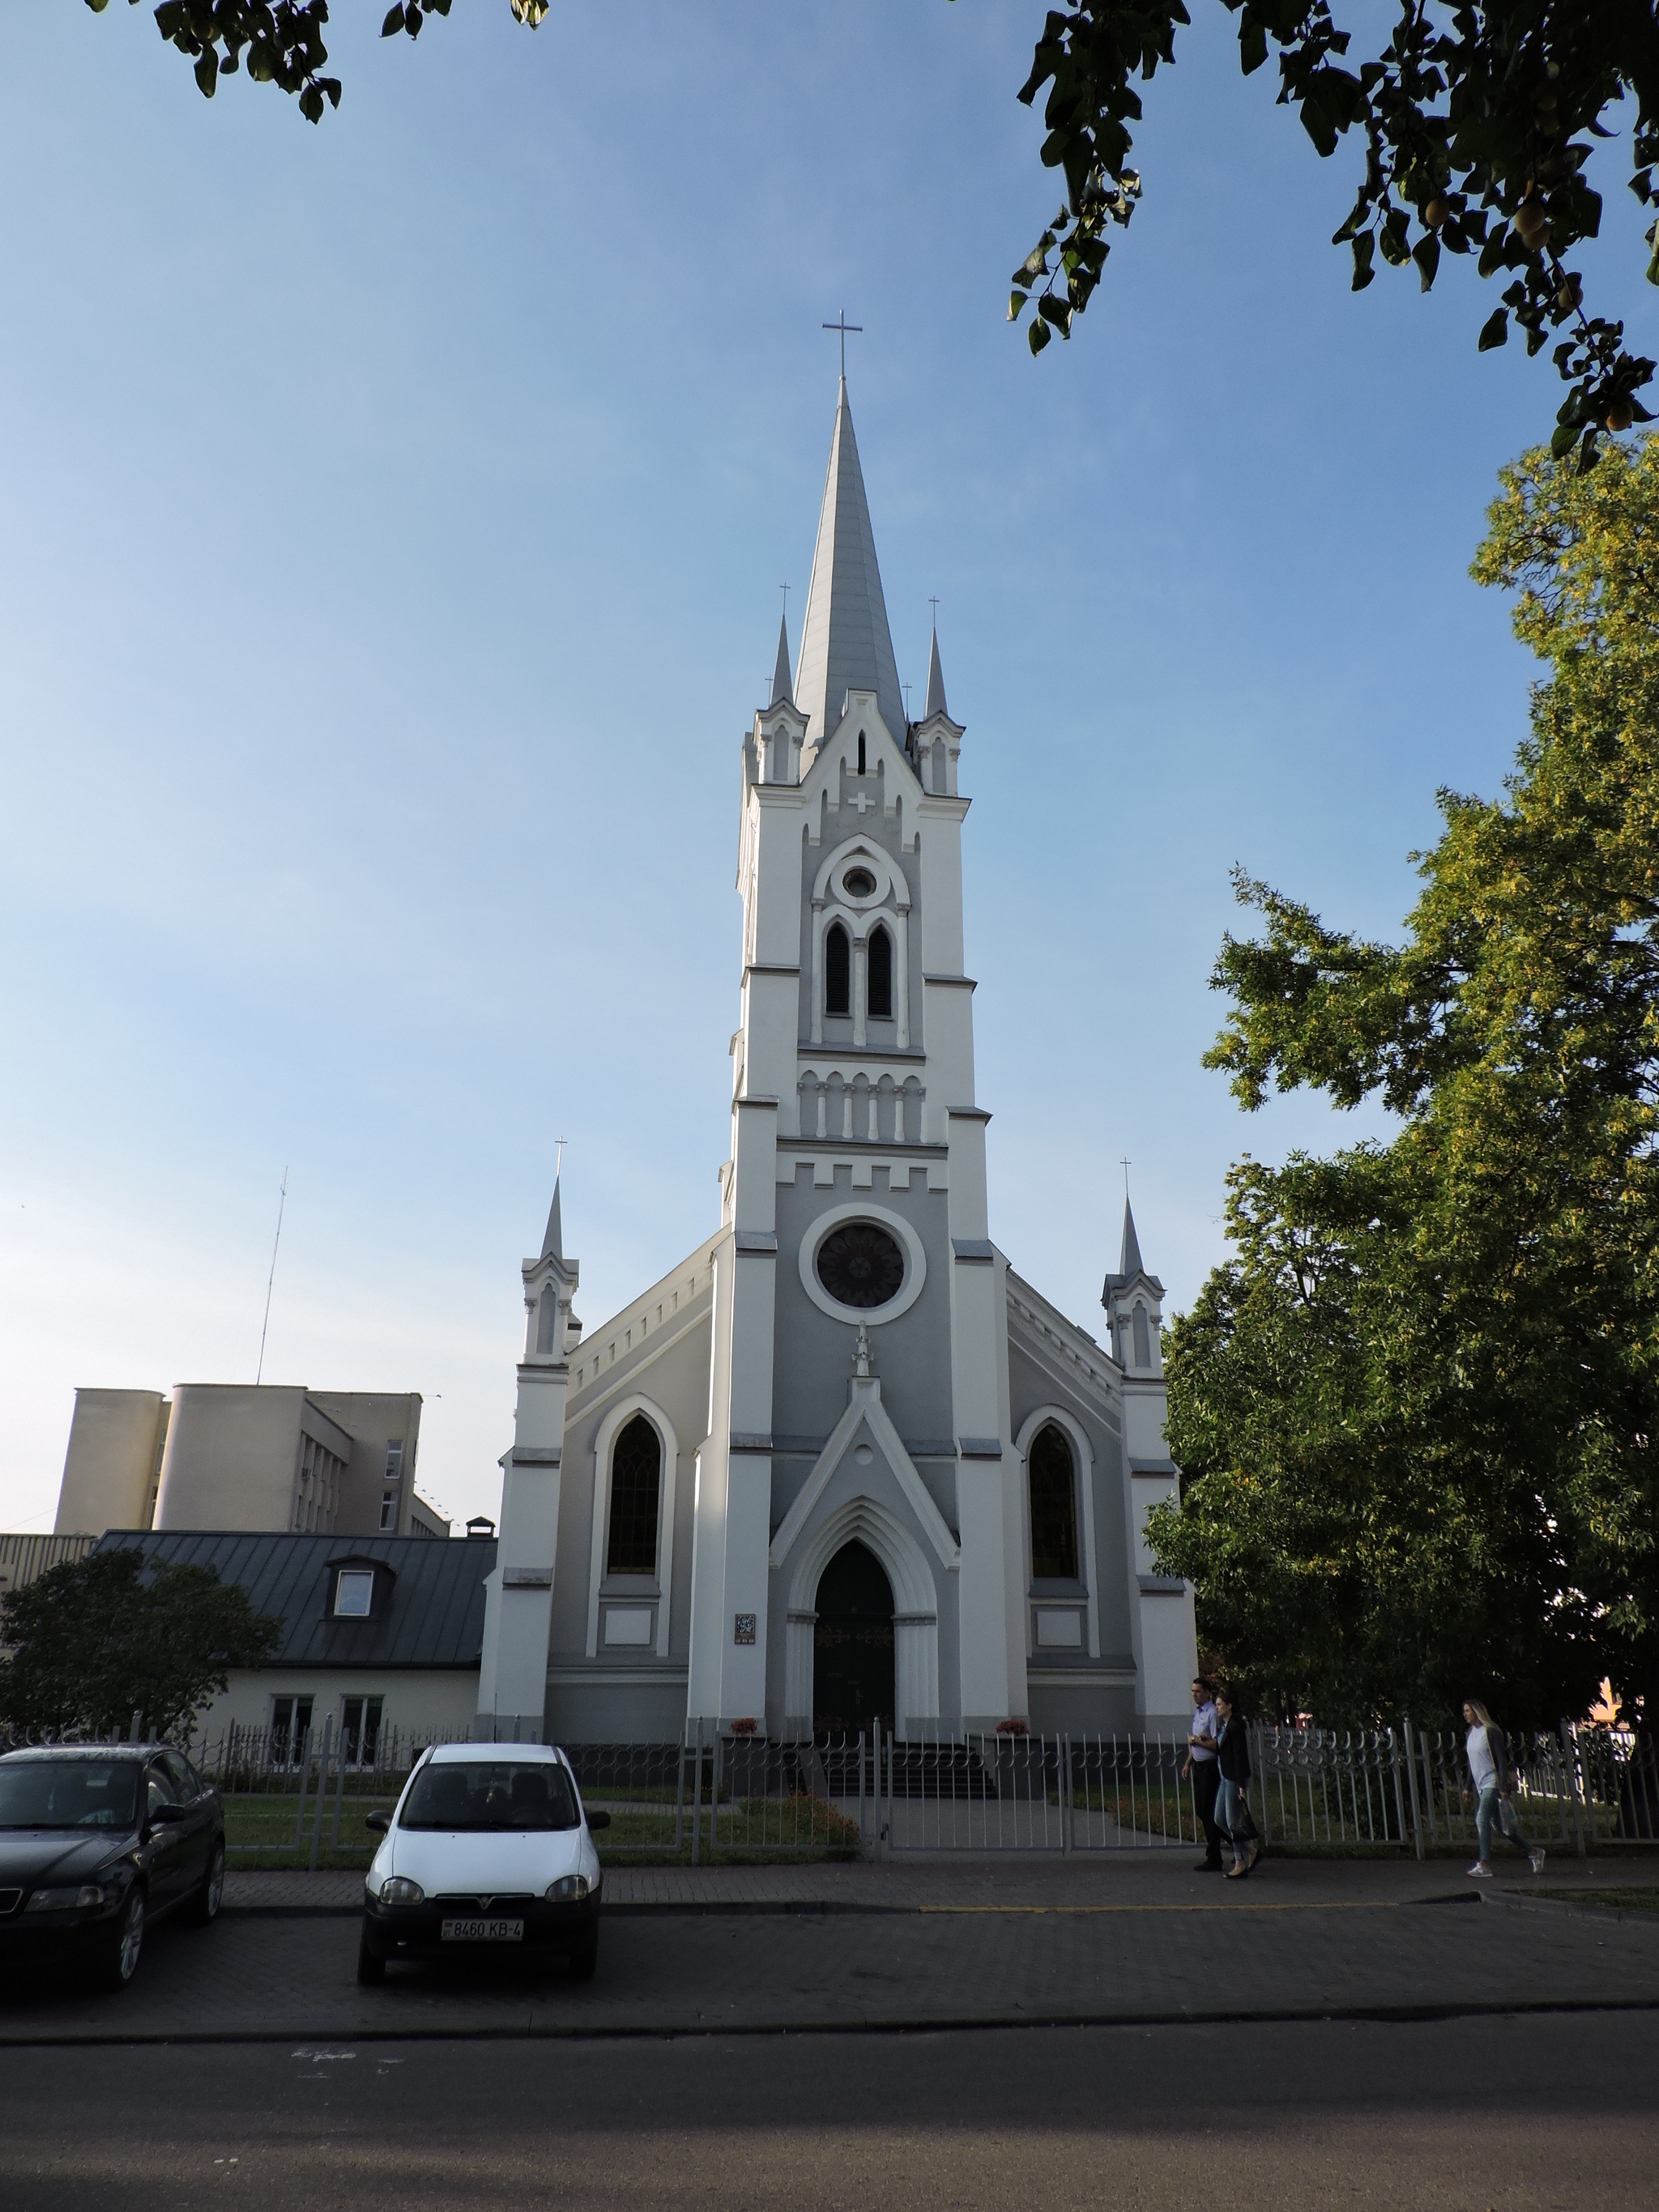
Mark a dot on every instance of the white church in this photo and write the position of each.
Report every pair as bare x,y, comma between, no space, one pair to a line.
843,1464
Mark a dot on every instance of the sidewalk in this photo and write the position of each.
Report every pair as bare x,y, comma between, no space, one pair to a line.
1127,1882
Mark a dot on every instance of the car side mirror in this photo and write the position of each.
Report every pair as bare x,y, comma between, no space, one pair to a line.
166,1815
596,1822
379,1821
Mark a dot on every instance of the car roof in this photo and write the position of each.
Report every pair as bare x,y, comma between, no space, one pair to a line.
85,1751
496,1753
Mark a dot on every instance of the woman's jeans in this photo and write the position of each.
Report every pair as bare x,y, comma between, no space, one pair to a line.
1491,1808
1232,1816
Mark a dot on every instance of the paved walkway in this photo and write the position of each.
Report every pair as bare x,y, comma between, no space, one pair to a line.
1128,1880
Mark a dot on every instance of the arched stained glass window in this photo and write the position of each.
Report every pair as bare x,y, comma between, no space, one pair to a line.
837,971
1053,1506
881,975
636,1490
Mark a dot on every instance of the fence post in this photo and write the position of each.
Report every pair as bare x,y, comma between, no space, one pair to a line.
305,1776
696,1797
340,1787
679,1798
322,1786
1570,1755
862,1838
1411,1779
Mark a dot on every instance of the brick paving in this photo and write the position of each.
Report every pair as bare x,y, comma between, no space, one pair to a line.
679,1972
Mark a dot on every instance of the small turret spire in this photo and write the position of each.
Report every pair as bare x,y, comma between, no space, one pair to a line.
553,1242
1130,1264
935,684
783,684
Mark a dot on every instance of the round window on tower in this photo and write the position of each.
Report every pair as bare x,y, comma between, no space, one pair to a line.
858,883
860,1265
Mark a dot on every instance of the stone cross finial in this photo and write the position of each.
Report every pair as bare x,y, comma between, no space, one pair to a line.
861,1351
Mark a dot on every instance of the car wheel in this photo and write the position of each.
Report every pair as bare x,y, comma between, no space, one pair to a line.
118,1961
371,1967
583,1962
202,1908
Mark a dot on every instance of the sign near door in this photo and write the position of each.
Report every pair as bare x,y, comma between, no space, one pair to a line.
743,1629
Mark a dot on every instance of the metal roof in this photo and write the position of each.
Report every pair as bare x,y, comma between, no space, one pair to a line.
433,1617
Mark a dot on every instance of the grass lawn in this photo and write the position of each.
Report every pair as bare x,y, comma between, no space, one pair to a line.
1643,1900
748,1831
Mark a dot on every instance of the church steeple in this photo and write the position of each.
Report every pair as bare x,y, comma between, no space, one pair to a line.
845,640
782,689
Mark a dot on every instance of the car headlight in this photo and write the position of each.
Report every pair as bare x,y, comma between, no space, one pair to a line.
67,1900
568,1886
400,1890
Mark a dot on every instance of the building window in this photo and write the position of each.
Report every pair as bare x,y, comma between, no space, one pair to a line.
360,1730
354,1593
1053,1507
881,976
635,1488
388,1509
394,1459
862,769
837,971
290,1722
317,1490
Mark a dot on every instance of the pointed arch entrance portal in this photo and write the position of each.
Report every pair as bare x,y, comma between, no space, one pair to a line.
853,1644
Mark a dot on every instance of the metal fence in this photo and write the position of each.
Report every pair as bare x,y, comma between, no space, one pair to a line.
718,1793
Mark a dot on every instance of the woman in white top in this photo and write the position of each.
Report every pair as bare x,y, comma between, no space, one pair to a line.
1489,1769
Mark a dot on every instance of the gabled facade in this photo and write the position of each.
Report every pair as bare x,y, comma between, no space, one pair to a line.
841,1464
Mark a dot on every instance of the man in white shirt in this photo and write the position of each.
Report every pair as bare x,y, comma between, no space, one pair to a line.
1201,1765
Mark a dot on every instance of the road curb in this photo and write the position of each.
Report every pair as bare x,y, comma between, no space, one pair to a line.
669,2033
1567,1908
835,1907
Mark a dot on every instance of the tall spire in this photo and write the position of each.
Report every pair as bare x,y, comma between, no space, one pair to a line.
782,689
935,684
845,640
553,1242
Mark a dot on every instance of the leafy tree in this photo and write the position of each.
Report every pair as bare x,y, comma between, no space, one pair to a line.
95,1639
1476,117
1418,1406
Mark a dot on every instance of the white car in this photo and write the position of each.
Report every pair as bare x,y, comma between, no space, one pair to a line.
488,1849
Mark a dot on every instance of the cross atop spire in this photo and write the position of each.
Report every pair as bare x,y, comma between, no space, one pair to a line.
843,326
845,641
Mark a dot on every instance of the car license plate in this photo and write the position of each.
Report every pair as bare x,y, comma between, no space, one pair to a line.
483,1931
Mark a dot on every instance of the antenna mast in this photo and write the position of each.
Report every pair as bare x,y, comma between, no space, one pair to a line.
282,1200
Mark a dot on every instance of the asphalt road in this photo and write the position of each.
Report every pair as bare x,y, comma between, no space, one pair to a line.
1531,2114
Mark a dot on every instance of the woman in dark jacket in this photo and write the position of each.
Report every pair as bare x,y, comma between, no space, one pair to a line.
1233,1811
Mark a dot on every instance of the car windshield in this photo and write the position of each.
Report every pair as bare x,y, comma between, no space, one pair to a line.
463,1794
69,1793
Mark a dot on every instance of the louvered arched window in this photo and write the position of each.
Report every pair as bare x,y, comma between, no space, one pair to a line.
881,975
837,971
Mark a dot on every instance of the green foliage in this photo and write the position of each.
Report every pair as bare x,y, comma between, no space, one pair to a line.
92,1642
1476,116
1418,1406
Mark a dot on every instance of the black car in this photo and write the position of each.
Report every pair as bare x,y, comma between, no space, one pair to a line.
95,1842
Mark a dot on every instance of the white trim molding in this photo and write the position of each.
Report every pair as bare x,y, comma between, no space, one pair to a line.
1084,1461
915,1264
605,1436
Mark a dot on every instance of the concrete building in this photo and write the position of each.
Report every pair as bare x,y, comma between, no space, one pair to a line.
843,1462
226,1455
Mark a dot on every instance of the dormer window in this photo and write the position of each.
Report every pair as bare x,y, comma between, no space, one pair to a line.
360,1588
880,976
354,1593
837,971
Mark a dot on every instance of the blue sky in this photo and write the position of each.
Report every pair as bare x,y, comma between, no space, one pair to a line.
391,516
